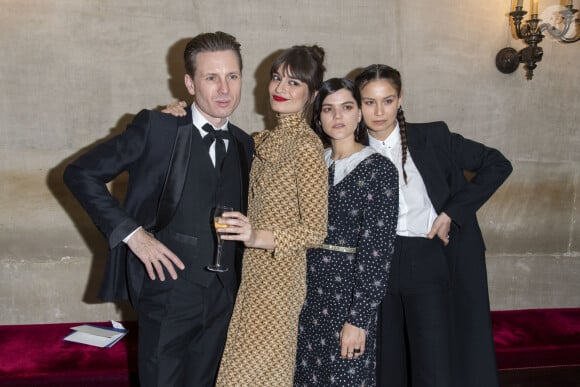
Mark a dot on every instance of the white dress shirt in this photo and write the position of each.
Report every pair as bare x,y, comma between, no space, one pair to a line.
416,212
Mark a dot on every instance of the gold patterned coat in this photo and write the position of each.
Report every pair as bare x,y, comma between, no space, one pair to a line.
288,196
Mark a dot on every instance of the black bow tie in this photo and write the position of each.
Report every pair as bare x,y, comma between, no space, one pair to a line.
220,146
213,134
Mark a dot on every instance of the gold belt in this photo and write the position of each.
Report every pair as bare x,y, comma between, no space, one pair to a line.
339,248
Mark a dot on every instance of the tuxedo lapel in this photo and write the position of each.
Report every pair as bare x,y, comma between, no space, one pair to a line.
428,166
177,172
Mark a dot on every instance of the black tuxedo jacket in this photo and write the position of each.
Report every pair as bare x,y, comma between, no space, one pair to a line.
155,151
441,158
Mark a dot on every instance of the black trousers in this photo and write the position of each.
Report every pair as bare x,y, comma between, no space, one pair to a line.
182,332
413,341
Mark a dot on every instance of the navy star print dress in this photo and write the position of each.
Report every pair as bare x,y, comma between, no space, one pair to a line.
348,287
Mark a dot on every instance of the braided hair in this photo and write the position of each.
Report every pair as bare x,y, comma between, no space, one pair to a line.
377,72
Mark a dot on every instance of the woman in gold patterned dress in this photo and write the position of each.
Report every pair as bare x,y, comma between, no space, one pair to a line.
287,213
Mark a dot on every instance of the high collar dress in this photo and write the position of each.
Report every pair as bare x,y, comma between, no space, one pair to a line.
288,196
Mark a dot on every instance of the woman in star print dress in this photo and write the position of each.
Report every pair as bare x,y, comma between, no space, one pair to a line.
347,277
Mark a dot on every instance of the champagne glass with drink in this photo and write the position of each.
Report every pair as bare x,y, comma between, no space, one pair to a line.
217,217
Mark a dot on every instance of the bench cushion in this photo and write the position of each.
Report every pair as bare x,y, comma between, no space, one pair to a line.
537,338
38,355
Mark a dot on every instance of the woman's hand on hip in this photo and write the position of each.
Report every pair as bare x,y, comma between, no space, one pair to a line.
440,228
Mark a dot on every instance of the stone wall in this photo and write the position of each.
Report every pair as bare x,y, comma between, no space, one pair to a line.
74,73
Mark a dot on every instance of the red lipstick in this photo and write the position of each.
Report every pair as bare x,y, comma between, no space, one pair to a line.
277,98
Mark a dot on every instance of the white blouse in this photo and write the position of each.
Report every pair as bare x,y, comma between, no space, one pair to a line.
416,212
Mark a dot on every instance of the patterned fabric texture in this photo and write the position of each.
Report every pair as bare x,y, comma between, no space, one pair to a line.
348,287
288,195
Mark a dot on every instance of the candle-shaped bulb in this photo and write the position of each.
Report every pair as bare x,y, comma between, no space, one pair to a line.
534,10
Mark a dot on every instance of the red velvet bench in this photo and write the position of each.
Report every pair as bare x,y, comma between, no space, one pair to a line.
37,355
538,347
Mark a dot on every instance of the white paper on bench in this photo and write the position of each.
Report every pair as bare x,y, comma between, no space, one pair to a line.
95,335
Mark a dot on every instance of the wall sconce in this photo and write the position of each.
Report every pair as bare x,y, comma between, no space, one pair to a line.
507,59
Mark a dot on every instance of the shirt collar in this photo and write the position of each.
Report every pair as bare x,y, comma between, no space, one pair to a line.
199,120
392,141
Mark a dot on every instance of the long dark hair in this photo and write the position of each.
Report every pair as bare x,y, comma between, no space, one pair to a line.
377,72
304,63
327,88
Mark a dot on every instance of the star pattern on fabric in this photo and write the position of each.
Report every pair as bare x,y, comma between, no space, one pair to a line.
348,287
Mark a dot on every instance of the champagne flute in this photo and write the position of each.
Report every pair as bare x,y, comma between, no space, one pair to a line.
217,216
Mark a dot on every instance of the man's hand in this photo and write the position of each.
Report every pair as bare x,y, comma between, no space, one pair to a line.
352,341
154,255
176,108
441,227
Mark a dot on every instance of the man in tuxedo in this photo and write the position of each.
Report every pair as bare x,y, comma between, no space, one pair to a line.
161,239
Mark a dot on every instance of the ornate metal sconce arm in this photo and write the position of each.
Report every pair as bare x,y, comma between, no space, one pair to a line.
518,16
567,16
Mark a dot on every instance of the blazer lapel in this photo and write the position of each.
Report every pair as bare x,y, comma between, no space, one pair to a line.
175,178
426,162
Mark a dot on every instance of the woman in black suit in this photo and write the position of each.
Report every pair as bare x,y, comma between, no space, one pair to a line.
435,320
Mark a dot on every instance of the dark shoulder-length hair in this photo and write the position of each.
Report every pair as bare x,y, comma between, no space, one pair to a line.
305,63
327,88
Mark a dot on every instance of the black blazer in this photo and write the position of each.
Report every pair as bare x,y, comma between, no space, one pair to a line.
441,158
154,150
